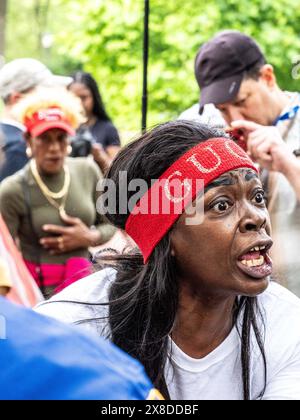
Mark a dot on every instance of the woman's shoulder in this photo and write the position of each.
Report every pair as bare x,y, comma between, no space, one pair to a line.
104,124
83,301
83,165
281,337
277,299
107,131
280,311
12,185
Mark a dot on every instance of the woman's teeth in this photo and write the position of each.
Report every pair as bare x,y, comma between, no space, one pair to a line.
254,263
258,248
257,260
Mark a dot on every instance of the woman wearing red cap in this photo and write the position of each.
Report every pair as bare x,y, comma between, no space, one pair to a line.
50,206
194,303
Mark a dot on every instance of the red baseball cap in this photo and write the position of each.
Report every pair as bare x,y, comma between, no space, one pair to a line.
46,119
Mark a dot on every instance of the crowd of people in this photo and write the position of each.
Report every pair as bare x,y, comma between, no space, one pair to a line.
210,308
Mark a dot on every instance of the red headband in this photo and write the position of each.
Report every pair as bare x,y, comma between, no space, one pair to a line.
207,161
46,119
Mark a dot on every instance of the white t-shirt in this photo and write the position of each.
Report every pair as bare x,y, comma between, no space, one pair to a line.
284,210
218,375
210,115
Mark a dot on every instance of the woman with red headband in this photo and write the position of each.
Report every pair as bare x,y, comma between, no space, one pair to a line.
194,303
50,206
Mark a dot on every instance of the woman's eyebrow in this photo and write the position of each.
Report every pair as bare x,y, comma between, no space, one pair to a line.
249,175
220,182
230,180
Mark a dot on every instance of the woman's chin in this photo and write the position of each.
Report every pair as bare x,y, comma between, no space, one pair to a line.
52,168
252,287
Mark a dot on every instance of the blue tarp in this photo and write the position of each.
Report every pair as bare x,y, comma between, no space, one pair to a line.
44,359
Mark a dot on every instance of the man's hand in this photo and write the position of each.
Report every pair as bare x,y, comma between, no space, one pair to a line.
65,239
265,145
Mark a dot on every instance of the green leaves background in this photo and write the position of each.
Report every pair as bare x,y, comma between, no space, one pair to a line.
105,37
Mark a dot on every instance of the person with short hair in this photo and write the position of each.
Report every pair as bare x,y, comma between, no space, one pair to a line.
17,78
193,302
234,75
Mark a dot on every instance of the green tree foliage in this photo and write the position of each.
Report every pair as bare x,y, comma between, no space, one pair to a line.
109,42
28,21
105,36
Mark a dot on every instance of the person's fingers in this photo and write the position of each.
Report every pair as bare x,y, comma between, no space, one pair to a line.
265,164
254,145
60,230
246,125
256,140
264,156
52,242
58,245
264,148
237,135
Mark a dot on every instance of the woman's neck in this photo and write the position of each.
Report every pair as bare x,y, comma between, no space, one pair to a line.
203,322
91,120
47,175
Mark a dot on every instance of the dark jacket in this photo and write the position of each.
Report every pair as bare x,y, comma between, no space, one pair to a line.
14,150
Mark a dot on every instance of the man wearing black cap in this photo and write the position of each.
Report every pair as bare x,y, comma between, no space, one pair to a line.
233,75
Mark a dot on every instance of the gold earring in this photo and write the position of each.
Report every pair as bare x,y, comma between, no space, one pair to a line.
29,152
172,253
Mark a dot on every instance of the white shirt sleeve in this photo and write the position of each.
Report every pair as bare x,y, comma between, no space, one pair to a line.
83,302
282,346
286,384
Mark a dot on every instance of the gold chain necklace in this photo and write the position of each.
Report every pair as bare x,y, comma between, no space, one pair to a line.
56,196
50,195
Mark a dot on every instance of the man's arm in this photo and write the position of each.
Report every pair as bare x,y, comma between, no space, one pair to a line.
267,148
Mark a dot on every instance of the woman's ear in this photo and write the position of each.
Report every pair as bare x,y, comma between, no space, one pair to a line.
69,147
28,140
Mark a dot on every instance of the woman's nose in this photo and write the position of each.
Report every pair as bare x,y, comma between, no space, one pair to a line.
54,145
254,219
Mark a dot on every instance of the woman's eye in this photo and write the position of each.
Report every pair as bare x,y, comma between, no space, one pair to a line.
221,206
260,198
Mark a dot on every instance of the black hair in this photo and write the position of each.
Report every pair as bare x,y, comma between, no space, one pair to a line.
98,106
253,71
144,298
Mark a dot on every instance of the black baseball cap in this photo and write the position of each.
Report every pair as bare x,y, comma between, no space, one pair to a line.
220,65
